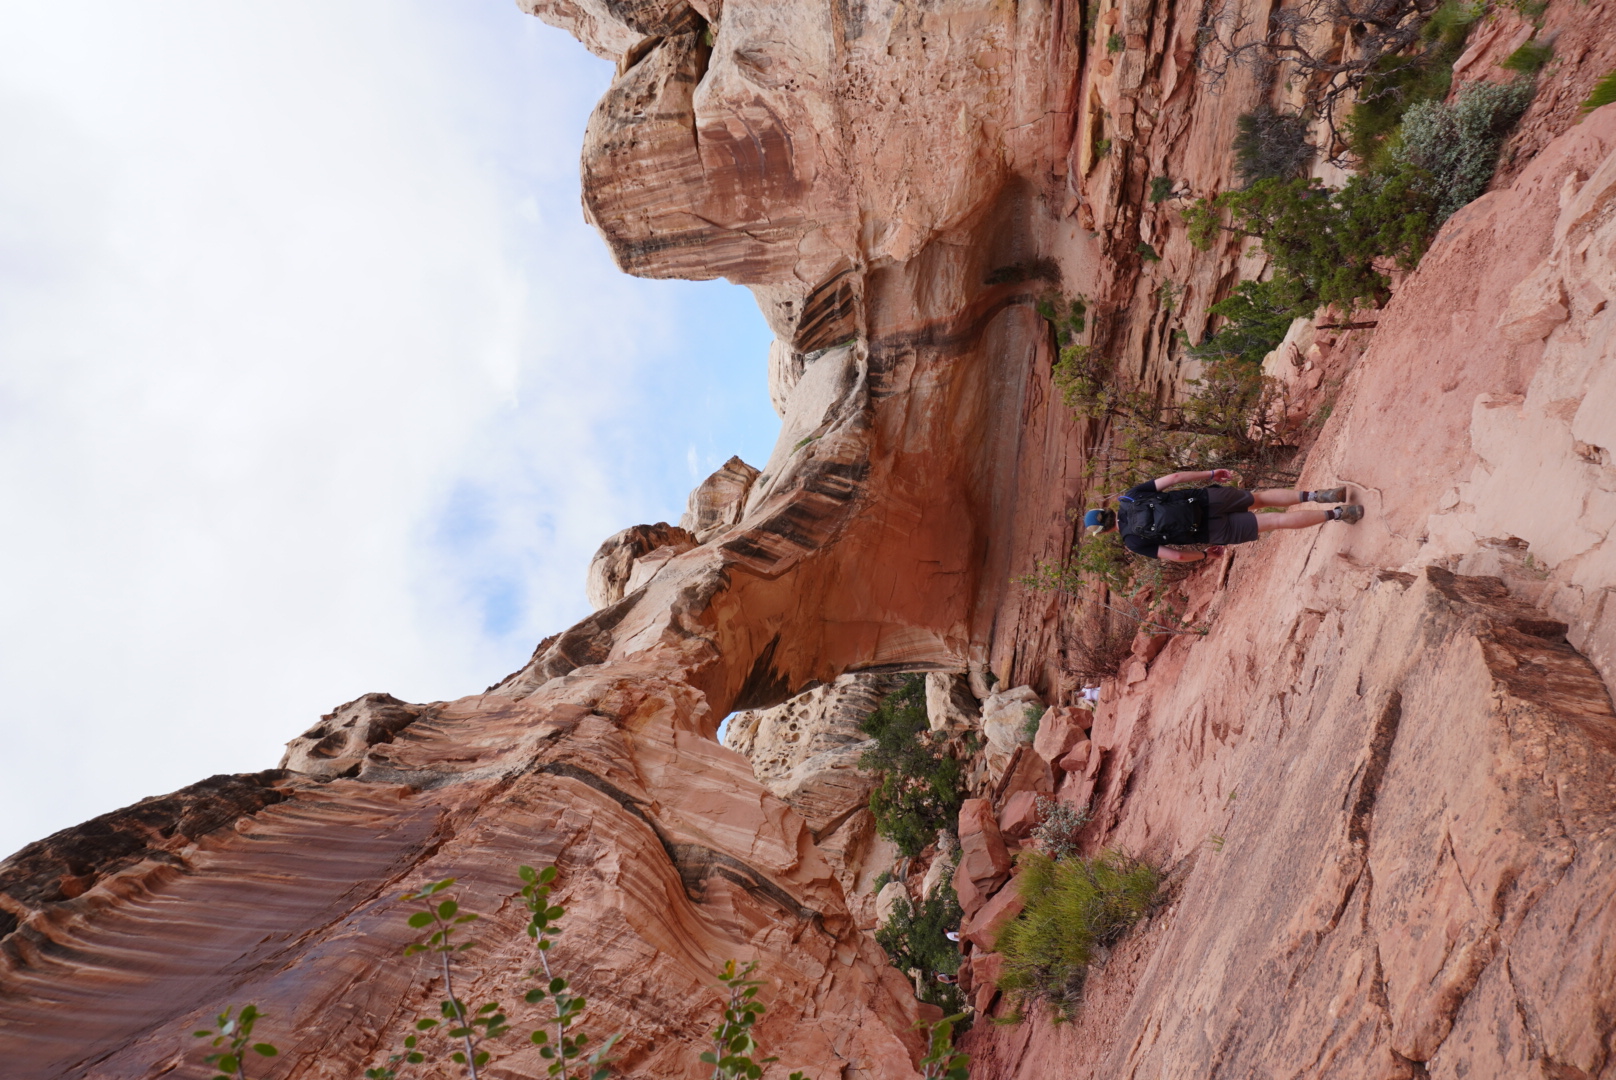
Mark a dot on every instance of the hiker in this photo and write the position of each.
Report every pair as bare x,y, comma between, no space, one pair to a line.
1153,520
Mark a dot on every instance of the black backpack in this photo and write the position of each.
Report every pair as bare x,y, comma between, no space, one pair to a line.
1167,517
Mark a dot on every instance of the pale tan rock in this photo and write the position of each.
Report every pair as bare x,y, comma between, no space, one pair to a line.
612,570
718,501
1004,717
338,744
886,901
938,874
950,706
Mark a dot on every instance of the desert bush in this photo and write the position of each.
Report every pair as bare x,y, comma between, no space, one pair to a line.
921,786
1397,82
1603,93
1161,188
1271,146
915,939
1453,149
1100,639
1031,716
1058,827
1226,420
1074,906
1115,43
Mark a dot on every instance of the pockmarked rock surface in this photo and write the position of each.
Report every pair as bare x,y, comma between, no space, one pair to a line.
1383,779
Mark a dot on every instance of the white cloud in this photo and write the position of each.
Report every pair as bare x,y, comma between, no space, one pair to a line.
312,382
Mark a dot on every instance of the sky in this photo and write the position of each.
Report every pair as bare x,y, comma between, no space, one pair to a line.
313,381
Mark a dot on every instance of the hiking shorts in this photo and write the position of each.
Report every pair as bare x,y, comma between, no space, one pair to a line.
1228,519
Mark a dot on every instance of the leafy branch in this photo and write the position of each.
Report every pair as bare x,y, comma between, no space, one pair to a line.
542,917
236,1033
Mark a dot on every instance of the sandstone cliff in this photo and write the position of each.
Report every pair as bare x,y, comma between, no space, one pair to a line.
1383,781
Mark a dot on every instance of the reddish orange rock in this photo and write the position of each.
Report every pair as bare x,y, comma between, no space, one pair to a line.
982,929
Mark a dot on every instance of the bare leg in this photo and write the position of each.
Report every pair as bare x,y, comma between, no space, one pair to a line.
1294,519
1276,497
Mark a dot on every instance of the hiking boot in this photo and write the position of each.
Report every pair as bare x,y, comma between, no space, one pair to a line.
1351,514
1333,495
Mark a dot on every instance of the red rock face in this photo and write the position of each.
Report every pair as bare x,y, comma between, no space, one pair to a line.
1385,789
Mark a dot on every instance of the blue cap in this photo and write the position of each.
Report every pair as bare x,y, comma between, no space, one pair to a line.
1096,517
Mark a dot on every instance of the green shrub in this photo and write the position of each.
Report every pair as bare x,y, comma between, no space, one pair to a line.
921,786
1073,906
1161,188
1255,319
1329,242
1530,58
1271,146
1456,147
1067,315
1115,43
1604,92
1147,253
915,938
1032,715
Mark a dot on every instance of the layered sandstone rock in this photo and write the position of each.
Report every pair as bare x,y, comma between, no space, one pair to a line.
1385,790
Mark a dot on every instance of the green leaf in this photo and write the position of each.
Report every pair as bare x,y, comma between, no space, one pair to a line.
415,1058
420,919
228,1063
539,1038
201,1034
425,1024
458,1058
547,875
527,873
447,909
534,996
490,1007
409,1040
265,1049
482,1058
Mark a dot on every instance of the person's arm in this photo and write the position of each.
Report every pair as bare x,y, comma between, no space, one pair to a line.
1215,476
1175,555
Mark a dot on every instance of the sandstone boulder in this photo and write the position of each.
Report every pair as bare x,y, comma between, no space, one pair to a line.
986,970
1059,729
886,901
337,745
982,929
983,858
1077,758
612,568
940,871
1005,720
1019,815
1027,772
950,705
718,501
